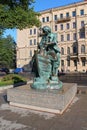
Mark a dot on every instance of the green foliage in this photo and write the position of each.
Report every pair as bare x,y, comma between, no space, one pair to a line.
7,52
7,77
11,79
1,32
18,14
15,3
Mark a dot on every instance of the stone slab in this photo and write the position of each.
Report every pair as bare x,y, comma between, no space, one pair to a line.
54,101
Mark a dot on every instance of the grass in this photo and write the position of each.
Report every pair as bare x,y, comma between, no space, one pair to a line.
11,79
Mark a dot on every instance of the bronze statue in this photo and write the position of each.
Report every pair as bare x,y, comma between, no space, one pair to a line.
46,61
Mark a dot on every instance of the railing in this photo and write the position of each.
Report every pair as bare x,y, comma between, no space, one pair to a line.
64,19
73,54
76,77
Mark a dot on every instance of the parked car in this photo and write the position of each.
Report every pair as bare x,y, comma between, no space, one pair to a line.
6,70
18,70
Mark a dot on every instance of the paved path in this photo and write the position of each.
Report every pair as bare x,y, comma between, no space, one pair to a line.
13,118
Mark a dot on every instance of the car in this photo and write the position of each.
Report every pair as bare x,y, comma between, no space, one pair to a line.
18,70
6,70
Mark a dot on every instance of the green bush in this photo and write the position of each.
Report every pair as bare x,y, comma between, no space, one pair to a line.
11,79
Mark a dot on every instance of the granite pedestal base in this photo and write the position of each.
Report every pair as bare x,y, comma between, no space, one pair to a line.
54,101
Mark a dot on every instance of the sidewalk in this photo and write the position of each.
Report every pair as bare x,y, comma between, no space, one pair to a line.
14,118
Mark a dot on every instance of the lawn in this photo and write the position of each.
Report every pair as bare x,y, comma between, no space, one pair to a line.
11,79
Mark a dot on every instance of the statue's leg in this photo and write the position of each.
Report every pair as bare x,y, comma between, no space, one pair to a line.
55,69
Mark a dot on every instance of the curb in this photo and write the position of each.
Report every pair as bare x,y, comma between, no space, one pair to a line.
12,86
6,87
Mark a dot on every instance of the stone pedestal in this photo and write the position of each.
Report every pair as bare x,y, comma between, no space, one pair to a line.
54,101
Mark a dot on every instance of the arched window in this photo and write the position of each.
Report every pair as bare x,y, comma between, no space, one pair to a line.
83,49
68,50
62,51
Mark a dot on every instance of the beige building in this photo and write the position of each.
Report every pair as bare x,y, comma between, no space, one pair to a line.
70,24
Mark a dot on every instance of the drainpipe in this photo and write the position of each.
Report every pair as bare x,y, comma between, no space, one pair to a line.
76,37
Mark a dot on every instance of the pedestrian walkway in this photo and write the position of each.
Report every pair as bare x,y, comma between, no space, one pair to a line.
14,118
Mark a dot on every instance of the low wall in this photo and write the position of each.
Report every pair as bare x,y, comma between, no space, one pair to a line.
79,78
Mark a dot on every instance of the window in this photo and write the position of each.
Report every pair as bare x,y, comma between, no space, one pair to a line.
43,20
83,49
68,50
55,17
74,36
62,51
30,53
62,37
62,62
34,30
82,23
30,42
82,30
82,33
73,13
34,41
30,31
82,12
61,26
55,27
68,37
83,62
67,14
75,62
47,18
61,16
68,62
67,25
75,49
74,24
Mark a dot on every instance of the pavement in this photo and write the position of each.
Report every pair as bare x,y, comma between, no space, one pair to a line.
74,118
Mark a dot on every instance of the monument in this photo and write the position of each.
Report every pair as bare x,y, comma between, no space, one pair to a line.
46,93
46,61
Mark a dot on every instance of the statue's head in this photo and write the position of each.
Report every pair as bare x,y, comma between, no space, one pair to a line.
46,30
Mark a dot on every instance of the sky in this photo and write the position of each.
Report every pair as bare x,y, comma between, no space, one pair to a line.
46,4
41,5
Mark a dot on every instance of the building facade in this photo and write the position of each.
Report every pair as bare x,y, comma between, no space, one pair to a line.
70,24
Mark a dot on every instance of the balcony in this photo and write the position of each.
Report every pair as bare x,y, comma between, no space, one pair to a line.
73,55
83,55
64,19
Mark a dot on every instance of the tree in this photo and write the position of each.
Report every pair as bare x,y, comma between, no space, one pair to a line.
14,14
18,14
7,52
1,31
